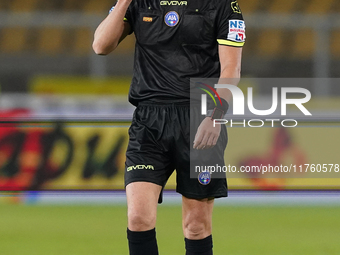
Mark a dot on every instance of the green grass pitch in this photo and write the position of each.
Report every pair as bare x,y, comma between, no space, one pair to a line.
101,230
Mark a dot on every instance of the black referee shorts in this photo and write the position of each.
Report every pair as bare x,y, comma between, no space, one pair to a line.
160,141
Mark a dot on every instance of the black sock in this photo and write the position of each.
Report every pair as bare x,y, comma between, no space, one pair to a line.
199,247
142,243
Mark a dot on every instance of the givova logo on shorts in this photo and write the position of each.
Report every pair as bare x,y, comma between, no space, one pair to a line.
140,167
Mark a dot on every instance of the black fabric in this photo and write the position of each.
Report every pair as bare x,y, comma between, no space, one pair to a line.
159,143
142,243
199,247
167,57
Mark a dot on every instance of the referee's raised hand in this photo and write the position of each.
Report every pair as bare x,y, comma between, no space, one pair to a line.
207,135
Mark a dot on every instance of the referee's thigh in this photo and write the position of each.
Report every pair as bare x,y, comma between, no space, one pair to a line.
142,200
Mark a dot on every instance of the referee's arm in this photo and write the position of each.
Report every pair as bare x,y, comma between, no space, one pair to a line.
230,60
112,30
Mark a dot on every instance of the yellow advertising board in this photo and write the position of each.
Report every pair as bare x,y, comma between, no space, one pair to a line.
305,150
81,156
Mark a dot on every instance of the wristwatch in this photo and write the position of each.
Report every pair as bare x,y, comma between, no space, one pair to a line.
219,111
216,113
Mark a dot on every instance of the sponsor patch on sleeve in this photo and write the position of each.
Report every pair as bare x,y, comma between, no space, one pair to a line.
237,31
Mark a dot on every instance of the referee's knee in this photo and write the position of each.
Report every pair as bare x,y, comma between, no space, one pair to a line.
196,229
141,222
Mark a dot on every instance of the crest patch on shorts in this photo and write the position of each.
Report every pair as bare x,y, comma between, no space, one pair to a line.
204,178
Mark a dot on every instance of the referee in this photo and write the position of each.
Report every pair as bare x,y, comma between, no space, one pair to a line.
175,41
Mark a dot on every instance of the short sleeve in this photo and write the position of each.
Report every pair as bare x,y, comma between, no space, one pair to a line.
231,28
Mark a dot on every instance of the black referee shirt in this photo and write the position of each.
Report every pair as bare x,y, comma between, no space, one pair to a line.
178,40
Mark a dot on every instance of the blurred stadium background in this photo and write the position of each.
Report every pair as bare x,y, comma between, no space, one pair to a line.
64,119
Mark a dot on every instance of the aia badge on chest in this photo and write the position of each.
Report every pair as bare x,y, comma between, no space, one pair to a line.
171,19
204,178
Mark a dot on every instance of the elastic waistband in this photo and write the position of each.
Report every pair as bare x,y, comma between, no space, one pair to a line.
166,103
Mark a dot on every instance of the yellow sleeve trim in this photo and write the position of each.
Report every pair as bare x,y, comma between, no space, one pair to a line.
125,19
230,43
